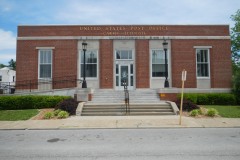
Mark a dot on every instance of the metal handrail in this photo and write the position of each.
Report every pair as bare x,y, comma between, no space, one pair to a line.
126,93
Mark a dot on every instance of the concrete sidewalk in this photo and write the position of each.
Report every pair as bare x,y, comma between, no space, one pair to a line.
77,122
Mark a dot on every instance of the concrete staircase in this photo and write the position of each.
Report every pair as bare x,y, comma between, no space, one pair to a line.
135,96
108,102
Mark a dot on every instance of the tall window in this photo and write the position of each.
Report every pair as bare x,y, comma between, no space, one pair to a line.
158,63
45,63
202,62
0,78
91,63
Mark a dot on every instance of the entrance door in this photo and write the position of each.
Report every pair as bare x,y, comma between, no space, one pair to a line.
124,72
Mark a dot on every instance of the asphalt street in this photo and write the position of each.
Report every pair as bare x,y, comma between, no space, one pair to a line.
115,144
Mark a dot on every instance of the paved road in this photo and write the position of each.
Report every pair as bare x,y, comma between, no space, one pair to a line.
114,144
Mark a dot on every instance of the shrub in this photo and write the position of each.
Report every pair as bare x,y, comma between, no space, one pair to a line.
236,86
202,111
69,105
55,112
212,112
29,102
48,115
194,113
189,96
63,114
187,105
221,99
211,98
202,99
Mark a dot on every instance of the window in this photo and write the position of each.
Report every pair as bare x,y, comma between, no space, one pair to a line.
202,62
158,63
45,63
0,78
91,63
124,54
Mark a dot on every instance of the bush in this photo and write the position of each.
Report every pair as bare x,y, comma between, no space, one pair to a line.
190,97
69,105
211,98
187,105
48,115
55,112
202,99
29,102
194,113
236,86
63,114
202,111
212,112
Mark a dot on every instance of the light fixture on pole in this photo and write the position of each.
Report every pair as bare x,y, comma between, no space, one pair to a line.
84,47
165,47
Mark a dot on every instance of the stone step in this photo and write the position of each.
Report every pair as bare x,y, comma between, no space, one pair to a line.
108,102
124,113
150,113
123,110
103,114
113,109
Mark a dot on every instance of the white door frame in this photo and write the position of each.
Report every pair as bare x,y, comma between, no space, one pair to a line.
130,75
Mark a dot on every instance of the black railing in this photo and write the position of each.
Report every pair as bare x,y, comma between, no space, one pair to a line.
126,93
47,84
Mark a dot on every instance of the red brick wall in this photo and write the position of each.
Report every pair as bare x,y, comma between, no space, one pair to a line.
64,62
142,64
124,30
184,57
26,60
221,64
106,63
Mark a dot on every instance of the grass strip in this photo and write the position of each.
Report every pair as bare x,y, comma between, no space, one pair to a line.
16,115
226,111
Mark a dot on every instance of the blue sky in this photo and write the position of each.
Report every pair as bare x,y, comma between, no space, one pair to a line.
36,12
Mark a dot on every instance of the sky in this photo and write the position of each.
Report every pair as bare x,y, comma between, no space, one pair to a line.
96,12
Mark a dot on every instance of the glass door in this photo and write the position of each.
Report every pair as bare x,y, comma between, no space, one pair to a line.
124,73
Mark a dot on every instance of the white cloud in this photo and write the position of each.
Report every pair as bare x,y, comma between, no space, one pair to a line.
7,46
7,40
7,55
145,12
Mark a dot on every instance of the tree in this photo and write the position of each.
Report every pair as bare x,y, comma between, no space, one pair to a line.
235,38
12,64
2,65
235,41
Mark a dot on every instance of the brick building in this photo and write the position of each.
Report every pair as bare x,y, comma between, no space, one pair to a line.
50,52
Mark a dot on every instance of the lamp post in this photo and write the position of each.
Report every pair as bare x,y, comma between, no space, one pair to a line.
84,47
165,47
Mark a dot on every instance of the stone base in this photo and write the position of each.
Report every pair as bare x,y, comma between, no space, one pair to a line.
83,95
168,96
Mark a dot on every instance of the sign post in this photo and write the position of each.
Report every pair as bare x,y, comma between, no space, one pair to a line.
184,77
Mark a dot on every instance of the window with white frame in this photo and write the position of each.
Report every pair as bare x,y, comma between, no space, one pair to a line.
91,58
158,63
202,59
124,55
45,64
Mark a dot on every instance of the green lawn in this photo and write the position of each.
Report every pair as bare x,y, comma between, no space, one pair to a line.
16,115
226,111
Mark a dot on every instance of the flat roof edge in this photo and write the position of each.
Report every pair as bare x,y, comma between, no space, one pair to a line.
39,25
